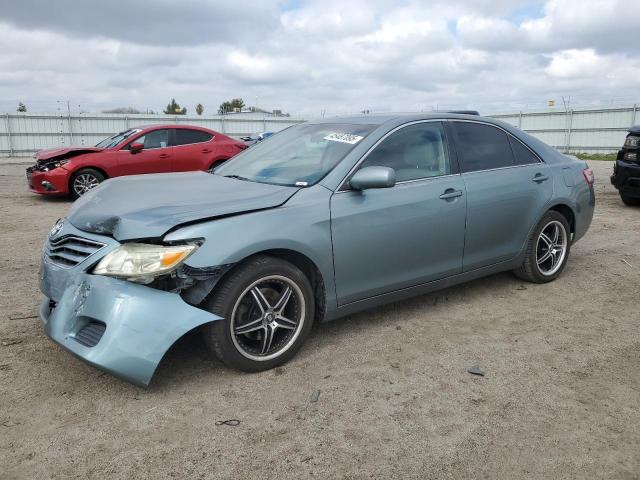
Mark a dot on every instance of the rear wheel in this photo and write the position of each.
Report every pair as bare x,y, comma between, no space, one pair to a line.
630,201
267,305
215,165
547,249
84,180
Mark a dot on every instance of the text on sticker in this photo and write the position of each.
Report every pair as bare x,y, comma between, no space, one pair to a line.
344,138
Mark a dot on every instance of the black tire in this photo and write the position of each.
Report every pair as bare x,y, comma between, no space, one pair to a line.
235,294
215,165
530,270
630,201
97,175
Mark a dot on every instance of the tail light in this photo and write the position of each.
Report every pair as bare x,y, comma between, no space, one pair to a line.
588,176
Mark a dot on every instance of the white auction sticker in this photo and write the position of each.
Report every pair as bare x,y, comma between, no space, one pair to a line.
344,138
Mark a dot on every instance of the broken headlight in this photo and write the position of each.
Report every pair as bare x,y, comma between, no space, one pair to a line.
51,165
141,262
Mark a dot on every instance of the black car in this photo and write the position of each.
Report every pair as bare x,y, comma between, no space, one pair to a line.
626,172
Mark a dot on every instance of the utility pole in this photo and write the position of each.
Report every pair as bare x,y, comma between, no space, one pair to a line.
69,119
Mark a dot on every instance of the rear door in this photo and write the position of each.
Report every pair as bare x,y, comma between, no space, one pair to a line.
387,239
154,158
507,187
193,149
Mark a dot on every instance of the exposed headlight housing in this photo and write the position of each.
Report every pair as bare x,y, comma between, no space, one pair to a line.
54,164
141,262
632,141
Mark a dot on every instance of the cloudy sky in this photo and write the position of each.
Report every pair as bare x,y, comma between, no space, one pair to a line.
318,55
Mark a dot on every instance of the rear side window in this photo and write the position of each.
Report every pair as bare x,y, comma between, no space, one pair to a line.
185,137
482,147
523,156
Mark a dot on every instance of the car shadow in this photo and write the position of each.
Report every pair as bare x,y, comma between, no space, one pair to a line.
189,359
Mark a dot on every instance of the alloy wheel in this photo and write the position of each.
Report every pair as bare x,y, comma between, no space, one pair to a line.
84,182
551,248
267,317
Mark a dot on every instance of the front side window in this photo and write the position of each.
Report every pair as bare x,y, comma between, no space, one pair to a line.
414,152
298,156
155,139
186,137
482,147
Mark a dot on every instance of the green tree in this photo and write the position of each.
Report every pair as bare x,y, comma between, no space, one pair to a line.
21,107
199,109
231,106
173,108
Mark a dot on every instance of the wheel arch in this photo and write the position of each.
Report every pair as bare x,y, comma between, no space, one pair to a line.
567,212
84,167
300,260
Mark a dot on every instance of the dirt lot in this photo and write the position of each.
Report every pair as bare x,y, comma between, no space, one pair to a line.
559,400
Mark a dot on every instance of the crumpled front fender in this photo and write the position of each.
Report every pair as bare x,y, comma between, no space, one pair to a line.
140,324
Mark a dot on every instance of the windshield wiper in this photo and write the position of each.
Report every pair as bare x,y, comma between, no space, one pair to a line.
238,177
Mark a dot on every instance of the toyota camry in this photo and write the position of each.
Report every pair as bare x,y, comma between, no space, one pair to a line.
325,219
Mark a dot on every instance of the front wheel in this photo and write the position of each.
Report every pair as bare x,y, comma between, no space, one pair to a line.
84,180
630,201
267,305
547,249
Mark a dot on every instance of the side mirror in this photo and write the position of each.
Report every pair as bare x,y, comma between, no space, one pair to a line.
373,177
136,147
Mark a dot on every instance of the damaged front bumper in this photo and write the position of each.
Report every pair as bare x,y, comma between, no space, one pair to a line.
50,182
115,325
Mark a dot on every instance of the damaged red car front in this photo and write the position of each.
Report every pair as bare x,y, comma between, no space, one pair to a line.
49,175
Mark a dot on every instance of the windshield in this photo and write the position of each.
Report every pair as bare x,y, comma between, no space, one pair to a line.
117,138
298,156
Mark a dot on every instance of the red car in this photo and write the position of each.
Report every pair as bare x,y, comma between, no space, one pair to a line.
153,149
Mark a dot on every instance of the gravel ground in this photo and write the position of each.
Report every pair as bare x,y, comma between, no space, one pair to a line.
559,400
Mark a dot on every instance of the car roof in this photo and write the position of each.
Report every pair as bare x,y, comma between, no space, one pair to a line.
170,125
380,119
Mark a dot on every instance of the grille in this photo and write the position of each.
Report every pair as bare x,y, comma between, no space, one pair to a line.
70,250
90,334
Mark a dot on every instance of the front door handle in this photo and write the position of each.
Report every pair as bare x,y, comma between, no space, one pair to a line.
164,155
450,193
206,150
539,178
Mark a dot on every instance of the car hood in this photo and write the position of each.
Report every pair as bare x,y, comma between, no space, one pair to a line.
50,153
147,206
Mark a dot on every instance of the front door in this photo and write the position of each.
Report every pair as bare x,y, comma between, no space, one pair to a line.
393,238
155,157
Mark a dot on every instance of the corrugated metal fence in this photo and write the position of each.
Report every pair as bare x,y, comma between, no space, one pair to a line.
586,130
577,130
24,133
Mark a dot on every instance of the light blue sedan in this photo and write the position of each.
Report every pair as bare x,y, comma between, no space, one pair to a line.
325,219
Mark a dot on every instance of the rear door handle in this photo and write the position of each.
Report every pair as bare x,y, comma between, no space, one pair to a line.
205,150
164,155
450,193
539,178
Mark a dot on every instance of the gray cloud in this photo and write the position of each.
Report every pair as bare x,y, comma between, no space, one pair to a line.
316,55
153,22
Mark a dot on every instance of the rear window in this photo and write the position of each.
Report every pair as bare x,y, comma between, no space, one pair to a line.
185,137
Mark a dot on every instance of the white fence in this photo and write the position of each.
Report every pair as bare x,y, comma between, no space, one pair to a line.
591,130
577,130
24,133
